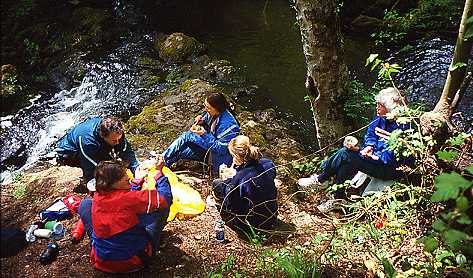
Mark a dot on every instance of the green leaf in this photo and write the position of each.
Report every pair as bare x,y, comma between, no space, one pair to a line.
430,244
454,237
444,254
448,186
457,66
462,203
457,140
388,268
447,155
371,58
464,219
439,225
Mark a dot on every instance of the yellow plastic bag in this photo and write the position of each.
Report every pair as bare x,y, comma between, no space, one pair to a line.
187,201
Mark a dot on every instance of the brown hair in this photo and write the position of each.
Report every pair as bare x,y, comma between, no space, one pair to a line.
108,173
217,101
110,124
242,150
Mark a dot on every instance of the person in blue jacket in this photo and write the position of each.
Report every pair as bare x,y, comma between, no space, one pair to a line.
95,140
208,138
249,198
375,158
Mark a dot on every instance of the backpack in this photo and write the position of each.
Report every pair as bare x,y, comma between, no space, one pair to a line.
13,241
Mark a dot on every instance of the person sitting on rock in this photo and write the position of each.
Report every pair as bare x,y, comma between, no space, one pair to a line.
374,159
249,198
208,138
124,226
92,141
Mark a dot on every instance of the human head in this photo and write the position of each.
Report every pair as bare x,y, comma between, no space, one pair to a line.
215,103
386,100
111,130
242,150
110,175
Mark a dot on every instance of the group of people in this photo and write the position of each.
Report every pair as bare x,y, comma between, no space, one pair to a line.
124,224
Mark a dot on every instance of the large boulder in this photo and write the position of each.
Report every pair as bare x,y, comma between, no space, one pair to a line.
178,47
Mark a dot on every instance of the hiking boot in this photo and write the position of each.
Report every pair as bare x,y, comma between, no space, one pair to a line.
82,187
310,182
331,204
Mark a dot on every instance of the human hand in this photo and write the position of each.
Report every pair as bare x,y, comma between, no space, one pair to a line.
374,157
367,151
198,120
141,171
159,163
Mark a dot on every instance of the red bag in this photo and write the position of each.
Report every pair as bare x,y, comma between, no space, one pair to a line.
72,202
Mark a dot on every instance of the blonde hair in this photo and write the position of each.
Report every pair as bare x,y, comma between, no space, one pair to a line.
242,150
389,98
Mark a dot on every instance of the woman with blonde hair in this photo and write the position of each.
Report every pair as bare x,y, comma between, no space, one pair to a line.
249,198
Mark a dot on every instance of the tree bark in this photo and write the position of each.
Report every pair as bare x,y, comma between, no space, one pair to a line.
452,91
461,55
321,39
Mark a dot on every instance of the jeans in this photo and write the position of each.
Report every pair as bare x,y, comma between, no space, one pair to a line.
187,146
345,163
153,222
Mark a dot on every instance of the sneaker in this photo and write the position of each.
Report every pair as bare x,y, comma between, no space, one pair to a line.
331,205
310,182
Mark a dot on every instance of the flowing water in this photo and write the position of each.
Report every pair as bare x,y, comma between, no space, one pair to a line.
259,37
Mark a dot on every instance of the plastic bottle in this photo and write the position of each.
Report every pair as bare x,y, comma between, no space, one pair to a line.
220,231
30,237
44,233
78,231
50,254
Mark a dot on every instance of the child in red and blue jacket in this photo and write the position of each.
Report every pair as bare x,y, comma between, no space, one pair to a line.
124,225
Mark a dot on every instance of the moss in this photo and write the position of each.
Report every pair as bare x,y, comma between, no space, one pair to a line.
186,85
148,81
144,123
148,62
177,47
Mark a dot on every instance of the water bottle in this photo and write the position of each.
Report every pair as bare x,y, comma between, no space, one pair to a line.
50,254
78,231
30,237
220,230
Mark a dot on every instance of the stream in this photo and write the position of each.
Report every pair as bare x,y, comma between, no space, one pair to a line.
258,37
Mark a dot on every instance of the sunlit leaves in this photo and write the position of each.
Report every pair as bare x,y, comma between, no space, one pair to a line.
448,186
447,155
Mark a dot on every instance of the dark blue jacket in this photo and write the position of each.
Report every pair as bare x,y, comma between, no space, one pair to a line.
226,129
84,142
251,194
380,145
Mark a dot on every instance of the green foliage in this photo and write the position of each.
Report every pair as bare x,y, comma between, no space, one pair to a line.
309,166
32,50
295,263
25,7
255,237
226,269
359,103
427,16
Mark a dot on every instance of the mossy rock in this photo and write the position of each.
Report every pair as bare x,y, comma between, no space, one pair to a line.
178,47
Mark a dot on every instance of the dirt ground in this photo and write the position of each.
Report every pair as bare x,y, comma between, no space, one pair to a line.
188,248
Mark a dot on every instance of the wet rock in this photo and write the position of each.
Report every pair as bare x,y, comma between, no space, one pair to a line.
178,47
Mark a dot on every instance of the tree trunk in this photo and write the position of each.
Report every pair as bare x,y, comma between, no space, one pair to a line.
326,72
456,74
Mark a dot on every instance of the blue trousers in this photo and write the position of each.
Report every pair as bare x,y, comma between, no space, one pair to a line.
345,163
153,222
187,146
